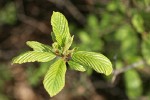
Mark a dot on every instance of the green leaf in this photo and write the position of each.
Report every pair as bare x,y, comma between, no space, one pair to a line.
55,45
54,80
68,44
76,66
133,84
123,34
60,28
146,49
36,46
53,37
32,56
138,23
8,14
97,61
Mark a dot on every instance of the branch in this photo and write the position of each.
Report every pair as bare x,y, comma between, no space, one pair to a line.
34,23
124,69
72,9
29,20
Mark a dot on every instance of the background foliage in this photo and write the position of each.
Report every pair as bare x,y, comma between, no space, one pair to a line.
120,29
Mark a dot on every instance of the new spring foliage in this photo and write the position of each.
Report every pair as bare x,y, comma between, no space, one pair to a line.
60,53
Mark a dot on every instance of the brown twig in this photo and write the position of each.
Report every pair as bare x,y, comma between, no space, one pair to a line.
29,20
73,10
124,69
34,23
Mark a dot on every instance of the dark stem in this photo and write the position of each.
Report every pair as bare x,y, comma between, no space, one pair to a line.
126,68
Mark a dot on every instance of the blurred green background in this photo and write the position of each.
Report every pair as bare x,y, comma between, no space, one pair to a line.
120,29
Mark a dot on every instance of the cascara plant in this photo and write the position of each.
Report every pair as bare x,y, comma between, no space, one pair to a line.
54,79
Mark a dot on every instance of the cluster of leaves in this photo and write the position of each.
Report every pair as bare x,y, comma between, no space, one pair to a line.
123,32
132,48
54,79
90,37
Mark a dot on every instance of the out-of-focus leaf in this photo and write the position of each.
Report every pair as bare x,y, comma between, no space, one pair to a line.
115,5
138,22
5,97
97,61
147,3
128,42
54,80
108,24
84,37
133,84
92,24
105,22
112,6
8,14
5,75
146,48
90,40
118,64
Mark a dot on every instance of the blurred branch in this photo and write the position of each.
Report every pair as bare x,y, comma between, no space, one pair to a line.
73,10
124,69
6,54
34,23
29,20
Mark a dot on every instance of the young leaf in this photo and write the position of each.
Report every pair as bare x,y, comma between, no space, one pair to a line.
32,56
97,61
54,80
55,45
68,44
76,66
53,37
60,28
36,46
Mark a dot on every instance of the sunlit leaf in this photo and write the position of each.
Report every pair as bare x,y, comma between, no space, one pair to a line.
37,46
97,61
32,56
76,66
60,28
54,80
68,44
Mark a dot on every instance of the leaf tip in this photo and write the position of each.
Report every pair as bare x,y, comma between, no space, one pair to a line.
12,63
54,11
28,43
108,72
